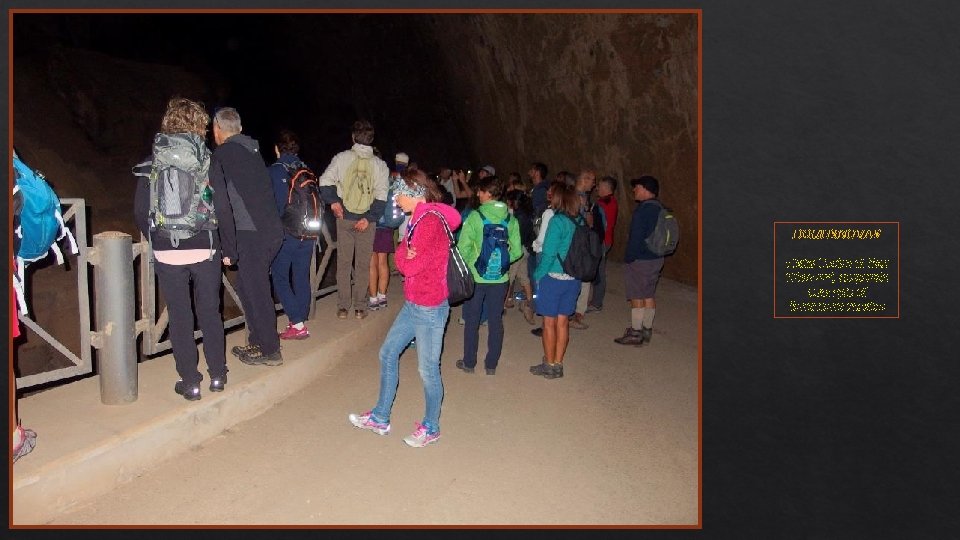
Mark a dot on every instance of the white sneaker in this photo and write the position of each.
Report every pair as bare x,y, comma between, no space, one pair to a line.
420,437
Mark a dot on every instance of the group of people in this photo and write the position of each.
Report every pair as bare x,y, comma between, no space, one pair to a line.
505,232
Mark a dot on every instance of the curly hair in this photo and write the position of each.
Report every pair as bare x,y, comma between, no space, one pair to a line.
185,116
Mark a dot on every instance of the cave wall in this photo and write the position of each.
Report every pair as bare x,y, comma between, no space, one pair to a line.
612,92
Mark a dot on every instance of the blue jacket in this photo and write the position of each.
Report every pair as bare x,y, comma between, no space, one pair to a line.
642,224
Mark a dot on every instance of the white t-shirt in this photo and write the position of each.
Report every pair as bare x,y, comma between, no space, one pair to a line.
538,243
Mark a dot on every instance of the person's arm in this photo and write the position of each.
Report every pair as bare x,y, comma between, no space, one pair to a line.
550,250
221,205
429,250
513,239
469,243
544,222
141,205
278,179
328,186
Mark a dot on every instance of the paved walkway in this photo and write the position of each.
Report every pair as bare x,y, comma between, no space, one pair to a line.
613,442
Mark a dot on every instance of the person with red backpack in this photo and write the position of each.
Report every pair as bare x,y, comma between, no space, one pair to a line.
290,271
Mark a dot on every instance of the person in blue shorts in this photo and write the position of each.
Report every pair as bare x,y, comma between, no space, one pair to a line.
558,291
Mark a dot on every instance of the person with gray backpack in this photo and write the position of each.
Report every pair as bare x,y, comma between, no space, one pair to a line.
653,234
181,210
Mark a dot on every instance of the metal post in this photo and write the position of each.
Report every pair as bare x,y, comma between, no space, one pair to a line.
115,339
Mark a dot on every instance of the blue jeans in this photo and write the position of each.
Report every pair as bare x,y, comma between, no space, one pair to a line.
293,259
486,297
427,325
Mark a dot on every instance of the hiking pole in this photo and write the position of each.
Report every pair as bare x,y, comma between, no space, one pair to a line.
115,338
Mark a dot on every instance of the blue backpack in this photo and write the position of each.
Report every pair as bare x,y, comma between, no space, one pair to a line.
494,260
39,222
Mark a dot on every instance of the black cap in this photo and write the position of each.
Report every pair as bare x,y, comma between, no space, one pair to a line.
649,183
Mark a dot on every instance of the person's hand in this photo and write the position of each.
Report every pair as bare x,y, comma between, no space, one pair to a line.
337,210
361,225
226,261
411,252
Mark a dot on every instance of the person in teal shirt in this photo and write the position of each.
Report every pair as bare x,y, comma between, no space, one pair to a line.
558,291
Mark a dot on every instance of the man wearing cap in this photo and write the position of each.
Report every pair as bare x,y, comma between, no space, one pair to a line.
642,269
486,170
355,185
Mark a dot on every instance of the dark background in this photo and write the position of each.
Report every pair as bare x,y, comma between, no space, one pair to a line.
827,428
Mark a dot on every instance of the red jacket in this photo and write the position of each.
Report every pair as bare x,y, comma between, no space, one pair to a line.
425,275
609,206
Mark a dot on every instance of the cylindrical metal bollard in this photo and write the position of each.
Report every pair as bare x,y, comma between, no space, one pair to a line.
117,353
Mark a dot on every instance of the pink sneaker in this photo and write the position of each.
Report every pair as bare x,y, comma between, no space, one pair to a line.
293,333
420,437
366,421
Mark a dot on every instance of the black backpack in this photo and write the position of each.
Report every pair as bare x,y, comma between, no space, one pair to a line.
583,257
303,211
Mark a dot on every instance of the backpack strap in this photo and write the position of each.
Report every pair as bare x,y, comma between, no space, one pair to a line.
443,220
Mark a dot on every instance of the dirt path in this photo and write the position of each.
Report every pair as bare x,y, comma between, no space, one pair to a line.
613,442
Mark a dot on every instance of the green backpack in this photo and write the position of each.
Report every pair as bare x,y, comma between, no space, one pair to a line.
357,185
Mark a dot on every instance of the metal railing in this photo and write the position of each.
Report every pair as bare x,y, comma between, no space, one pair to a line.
83,364
112,257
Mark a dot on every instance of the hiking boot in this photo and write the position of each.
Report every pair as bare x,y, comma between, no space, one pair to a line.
537,332
461,365
216,385
240,350
292,332
554,371
577,322
527,311
341,313
28,440
540,369
189,393
594,309
366,421
646,333
260,359
360,314
491,371
630,337
421,437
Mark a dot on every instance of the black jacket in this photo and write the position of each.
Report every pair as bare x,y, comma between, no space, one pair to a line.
237,163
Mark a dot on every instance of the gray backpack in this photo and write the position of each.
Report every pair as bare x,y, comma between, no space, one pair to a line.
181,199
665,236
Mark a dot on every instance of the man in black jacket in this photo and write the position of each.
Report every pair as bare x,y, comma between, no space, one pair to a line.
237,163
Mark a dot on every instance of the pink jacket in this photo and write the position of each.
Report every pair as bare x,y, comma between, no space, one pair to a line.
425,275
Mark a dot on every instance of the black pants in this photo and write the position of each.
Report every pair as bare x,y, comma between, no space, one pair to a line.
174,281
256,253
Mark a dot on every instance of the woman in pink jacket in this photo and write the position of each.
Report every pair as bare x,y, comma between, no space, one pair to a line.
421,257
